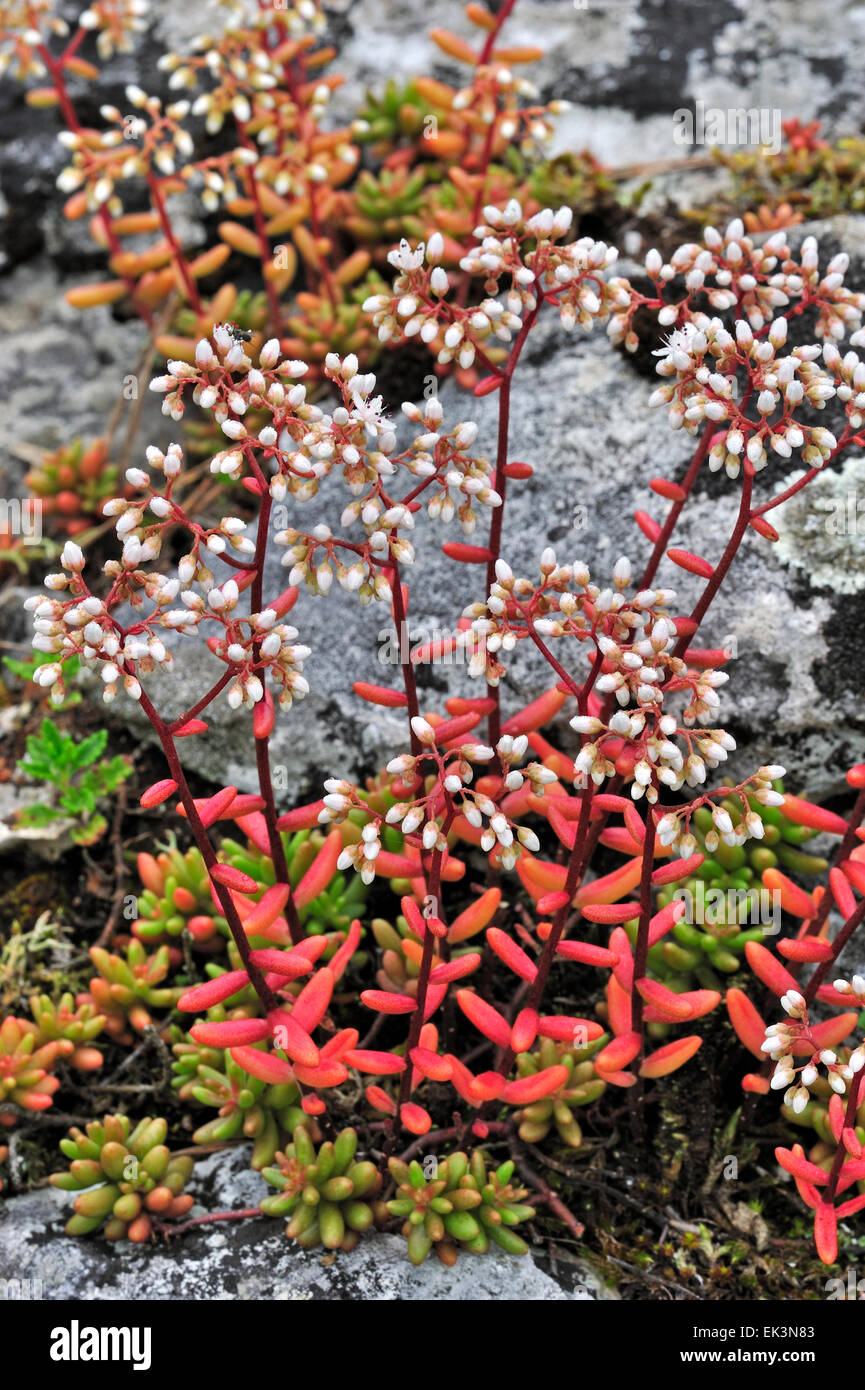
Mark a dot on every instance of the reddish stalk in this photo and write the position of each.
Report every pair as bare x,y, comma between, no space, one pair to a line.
675,511
723,565
641,947
417,1018
180,265
262,742
577,865
844,935
54,67
402,633
849,1123
202,839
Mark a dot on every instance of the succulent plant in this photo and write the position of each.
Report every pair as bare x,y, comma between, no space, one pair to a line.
125,990
388,204
74,482
458,1204
266,1114
394,114
333,908
177,897
317,325
726,892
575,180
66,1021
583,1087
25,1067
124,1177
324,1191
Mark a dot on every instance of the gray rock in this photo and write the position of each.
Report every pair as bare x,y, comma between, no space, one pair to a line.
579,415
251,1259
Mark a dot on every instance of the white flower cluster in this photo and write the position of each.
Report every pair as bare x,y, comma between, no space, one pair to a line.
84,626
782,1038
459,470
706,359
424,815
706,390
730,269
156,138
673,828
570,276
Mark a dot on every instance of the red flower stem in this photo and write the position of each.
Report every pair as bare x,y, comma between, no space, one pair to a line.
849,842
429,941
494,544
559,669
675,511
723,565
70,116
169,1229
199,705
844,935
493,34
178,257
262,744
641,947
402,635
849,1123
577,865
806,478
263,240
202,839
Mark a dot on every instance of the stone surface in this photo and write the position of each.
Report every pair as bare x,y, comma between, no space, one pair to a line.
251,1259
579,415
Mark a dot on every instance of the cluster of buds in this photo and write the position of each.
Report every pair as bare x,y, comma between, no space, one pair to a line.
425,817
246,1105
738,370
706,390
25,1068
125,991
325,1192
674,827
783,1040
633,641
67,1021
449,460
457,1204
527,253
129,148
125,1178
